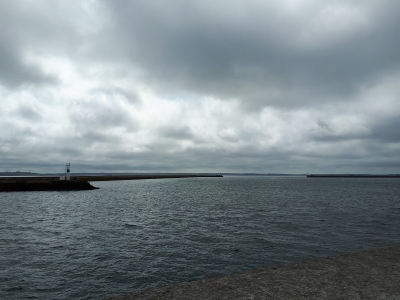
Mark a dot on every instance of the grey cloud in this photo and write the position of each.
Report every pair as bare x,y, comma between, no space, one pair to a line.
382,130
29,113
15,132
387,130
101,116
199,159
246,160
251,53
259,52
328,135
333,138
324,125
92,136
42,28
176,133
115,91
14,72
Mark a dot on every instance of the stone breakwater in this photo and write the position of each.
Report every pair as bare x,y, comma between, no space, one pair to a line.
140,176
52,185
372,274
81,182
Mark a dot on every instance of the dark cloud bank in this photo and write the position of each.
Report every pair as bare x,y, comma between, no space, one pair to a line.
187,86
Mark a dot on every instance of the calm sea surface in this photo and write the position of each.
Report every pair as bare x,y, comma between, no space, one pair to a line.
134,235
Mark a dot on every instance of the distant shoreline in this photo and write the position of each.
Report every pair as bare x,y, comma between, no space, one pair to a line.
352,176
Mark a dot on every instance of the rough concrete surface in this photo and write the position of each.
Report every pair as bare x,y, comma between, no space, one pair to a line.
372,274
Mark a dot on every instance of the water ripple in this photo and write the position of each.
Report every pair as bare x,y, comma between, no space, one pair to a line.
133,235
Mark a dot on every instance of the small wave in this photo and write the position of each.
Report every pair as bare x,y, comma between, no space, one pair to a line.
130,225
15,288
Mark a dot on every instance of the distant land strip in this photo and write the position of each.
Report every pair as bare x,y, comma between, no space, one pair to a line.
352,176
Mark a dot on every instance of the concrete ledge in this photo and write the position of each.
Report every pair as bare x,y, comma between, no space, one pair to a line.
17,179
373,274
54,185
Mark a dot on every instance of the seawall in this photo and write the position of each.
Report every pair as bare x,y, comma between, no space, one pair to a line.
139,177
48,185
372,274
81,182
102,177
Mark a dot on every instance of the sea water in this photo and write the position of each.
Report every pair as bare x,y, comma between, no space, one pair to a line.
135,235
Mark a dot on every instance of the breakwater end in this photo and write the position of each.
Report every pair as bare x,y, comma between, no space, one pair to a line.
372,274
52,185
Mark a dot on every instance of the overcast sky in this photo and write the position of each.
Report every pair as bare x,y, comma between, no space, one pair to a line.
287,86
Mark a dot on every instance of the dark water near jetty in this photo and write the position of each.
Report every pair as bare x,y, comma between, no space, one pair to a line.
133,235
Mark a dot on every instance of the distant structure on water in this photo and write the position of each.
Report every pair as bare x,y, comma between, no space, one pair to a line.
67,172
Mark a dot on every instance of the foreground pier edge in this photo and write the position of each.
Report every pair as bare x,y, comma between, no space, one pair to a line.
371,274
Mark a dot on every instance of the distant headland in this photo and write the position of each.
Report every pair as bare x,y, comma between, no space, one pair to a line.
18,173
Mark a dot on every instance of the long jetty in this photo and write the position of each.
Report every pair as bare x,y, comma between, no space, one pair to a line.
139,176
40,178
76,182
372,274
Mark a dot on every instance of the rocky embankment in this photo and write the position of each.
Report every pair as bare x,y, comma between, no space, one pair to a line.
53,185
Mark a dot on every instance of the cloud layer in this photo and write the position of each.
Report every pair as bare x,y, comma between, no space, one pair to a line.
198,86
